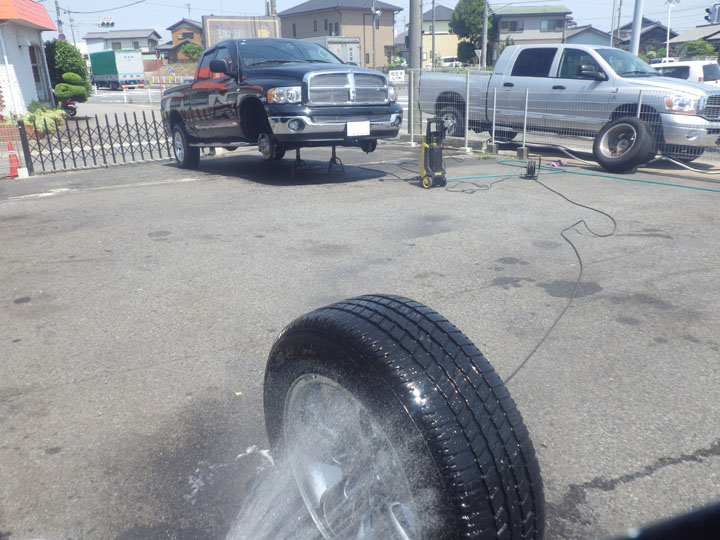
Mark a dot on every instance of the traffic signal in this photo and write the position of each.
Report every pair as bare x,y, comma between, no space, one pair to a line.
106,22
711,14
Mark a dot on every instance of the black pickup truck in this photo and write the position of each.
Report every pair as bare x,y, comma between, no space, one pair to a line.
278,94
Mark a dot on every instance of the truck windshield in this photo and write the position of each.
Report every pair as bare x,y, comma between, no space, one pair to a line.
626,64
271,51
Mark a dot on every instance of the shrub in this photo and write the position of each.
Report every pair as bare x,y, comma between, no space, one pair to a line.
38,114
72,78
64,58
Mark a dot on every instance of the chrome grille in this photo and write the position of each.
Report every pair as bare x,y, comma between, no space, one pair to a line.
712,107
346,88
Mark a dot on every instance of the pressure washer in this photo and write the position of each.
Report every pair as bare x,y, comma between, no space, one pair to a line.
432,169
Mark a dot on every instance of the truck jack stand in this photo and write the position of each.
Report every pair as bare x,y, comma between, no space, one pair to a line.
299,164
337,162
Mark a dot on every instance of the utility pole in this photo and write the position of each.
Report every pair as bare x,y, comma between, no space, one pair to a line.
484,57
414,39
432,63
612,21
59,20
189,12
617,26
374,23
636,27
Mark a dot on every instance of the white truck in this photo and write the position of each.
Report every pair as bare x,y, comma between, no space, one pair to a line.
610,95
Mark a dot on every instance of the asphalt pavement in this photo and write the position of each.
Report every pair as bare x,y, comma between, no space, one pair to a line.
140,303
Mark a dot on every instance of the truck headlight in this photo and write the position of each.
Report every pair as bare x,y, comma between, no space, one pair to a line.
285,94
392,94
681,104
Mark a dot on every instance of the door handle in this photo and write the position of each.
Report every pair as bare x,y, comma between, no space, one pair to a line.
508,84
558,87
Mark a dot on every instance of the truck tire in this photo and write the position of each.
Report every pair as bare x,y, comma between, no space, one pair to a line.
391,421
188,157
503,135
454,121
623,144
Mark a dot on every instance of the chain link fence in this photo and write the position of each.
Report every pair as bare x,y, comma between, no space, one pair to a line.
568,113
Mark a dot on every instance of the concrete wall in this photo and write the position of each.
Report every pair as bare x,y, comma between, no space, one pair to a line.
351,23
445,45
16,77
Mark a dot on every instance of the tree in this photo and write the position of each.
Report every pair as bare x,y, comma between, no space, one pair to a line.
699,47
62,57
466,52
72,87
192,50
467,22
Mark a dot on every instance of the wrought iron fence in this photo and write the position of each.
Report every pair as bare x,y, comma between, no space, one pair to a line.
94,142
565,114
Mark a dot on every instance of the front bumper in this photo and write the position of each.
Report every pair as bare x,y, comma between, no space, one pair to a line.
330,125
688,130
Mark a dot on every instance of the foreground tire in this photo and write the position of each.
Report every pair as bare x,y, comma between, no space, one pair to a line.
454,121
396,426
623,144
188,157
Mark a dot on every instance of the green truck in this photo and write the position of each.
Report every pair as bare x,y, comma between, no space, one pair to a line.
120,68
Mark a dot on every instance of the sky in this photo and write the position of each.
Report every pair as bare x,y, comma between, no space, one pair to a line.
160,14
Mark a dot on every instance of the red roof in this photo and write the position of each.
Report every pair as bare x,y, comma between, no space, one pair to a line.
26,11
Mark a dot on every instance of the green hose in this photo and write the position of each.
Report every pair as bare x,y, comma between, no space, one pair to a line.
519,163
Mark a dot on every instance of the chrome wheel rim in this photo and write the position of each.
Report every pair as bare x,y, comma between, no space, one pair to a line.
179,146
618,140
265,145
349,474
451,122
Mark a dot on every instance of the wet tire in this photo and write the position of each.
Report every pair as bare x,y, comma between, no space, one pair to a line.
392,421
623,144
454,121
187,157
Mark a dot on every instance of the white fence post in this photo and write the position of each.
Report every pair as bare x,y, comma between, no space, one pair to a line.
411,107
494,109
527,95
639,103
467,109
124,94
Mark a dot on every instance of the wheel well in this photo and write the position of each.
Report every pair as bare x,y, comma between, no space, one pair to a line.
175,118
647,114
253,119
449,98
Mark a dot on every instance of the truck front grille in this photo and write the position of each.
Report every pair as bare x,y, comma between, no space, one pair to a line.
347,89
712,107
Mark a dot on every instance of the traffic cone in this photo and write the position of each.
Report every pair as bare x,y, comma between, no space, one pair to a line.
14,162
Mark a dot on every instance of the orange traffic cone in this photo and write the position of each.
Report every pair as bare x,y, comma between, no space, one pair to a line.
14,162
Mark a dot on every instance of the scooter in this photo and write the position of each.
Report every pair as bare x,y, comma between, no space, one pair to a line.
70,107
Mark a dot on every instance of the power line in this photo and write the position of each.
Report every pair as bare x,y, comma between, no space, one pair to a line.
102,10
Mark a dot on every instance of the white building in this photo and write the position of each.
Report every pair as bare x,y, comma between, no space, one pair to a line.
146,40
24,75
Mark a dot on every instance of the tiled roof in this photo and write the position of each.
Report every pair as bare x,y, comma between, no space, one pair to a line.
26,11
442,13
123,34
324,5
185,22
701,32
532,10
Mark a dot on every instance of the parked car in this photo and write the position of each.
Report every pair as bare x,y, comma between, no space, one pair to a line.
279,94
581,90
707,72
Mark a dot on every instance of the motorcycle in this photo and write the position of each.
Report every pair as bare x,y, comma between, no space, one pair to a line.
70,107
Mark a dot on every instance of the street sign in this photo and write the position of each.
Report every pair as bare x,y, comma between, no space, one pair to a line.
170,70
61,36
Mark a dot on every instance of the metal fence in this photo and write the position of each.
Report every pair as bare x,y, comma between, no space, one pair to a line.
94,142
564,113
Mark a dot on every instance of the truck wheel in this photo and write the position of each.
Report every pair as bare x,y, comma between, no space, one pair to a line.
268,147
395,426
503,136
623,144
454,121
188,157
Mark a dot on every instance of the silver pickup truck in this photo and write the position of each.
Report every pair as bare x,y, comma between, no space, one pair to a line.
608,94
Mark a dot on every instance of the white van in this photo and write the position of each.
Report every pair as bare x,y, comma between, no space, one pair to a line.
703,71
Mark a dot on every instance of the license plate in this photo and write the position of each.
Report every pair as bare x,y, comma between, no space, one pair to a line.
358,129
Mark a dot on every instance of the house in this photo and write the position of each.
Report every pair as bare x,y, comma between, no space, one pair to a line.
587,35
348,18
24,76
446,43
531,24
146,40
184,31
652,34
708,32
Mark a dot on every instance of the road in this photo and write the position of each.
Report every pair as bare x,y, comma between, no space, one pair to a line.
141,302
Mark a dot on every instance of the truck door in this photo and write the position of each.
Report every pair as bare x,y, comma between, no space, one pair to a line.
198,110
223,93
530,71
578,105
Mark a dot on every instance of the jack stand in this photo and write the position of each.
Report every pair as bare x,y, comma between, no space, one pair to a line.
298,165
522,152
336,161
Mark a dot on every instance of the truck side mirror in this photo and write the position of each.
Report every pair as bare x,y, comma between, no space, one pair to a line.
221,66
351,63
590,72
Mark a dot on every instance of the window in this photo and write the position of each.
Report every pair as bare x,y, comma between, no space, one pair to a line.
188,35
512,26
294,30
38,71
315,26
223,53
136,44
367,58
534,62
711,72
326,24
116,45
676,72
551,25
337,33
572,60
203,70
